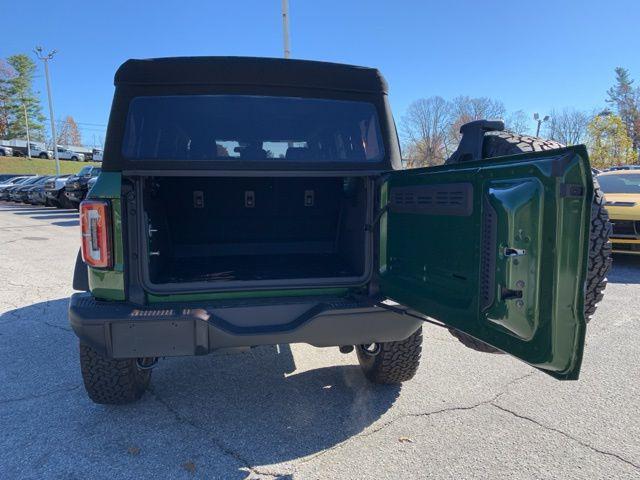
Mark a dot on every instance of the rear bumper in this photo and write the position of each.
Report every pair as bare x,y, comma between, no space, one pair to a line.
122,330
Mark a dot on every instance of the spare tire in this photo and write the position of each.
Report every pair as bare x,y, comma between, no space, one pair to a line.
498,144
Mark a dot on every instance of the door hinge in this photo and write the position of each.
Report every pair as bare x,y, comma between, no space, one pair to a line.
370,226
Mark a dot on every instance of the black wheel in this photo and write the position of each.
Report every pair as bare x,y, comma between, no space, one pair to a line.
43,155
391,362
110,381
498,144
74,159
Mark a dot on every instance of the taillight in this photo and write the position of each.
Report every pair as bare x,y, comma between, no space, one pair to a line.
95,222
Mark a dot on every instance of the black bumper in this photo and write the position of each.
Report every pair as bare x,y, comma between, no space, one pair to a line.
122,330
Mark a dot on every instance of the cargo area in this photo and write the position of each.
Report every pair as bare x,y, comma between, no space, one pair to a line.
225,230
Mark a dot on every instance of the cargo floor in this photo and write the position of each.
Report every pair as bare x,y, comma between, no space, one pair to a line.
254,267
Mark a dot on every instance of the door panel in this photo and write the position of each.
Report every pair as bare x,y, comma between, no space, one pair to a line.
497,249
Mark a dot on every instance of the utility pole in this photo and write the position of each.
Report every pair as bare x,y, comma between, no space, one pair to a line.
536,117
26,122
285,28
45,59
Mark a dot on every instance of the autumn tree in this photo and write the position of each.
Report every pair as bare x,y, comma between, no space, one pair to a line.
625,99
568,126
609,143
21,97
69,133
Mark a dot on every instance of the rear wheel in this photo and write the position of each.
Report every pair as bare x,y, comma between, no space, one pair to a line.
112,381
391,362
497,144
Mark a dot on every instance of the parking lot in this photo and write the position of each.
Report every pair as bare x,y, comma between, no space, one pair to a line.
302,412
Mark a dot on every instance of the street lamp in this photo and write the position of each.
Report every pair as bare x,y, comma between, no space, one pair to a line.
45,59
285,28
536,117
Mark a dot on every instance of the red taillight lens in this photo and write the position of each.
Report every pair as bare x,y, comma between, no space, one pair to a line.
95,222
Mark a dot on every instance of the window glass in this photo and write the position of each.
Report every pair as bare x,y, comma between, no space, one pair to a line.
253,128
623,183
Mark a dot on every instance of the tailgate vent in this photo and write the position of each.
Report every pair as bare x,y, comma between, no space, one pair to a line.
446,199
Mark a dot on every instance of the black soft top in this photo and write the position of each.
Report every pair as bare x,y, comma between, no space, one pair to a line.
250,71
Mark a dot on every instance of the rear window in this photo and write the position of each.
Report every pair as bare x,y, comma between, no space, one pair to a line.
251,128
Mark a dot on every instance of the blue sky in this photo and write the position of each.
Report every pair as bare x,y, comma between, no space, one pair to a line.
535,57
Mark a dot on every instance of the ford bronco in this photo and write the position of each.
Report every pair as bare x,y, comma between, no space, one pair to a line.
256,201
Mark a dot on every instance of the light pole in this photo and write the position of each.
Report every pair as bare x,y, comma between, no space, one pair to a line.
26,122
536,117
45,59
285,28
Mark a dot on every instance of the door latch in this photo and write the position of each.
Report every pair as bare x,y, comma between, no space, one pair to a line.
249,199
514,252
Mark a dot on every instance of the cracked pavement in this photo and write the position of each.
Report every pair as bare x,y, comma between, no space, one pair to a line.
301,412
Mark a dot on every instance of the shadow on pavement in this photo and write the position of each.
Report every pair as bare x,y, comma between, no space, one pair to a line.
625,269
43,211
67,223
54,216
247,409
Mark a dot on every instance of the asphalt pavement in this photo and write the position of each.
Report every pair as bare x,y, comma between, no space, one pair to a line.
301,412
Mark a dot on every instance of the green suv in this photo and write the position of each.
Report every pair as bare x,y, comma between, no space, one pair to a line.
256,201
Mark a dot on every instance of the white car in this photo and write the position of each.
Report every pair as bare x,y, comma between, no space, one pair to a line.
65,154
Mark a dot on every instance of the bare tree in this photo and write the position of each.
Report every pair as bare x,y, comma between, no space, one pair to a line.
568,127
466,109
424,129
518,122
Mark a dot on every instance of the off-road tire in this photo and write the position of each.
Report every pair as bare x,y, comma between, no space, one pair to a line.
497,144
394,362
112,381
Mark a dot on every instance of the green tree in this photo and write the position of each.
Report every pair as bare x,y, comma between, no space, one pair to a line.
609,143
6,73
21,96
625,100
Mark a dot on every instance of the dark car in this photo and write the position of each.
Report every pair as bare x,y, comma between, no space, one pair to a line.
19,193
12,192
10,183
35,194
255,201
54,190
77,186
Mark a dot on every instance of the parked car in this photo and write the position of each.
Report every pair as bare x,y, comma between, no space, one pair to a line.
97,155
9,178
6,151
35,194
77,186
36,151
289,219
66,154
622,194
54,192
15,192
5,189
